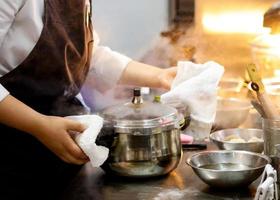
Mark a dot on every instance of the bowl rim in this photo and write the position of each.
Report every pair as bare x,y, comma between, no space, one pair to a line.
188,161
233,99
211,136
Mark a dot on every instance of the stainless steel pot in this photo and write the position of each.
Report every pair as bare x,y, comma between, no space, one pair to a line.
146,138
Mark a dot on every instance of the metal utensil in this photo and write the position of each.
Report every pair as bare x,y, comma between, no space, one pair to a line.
228,168
231,112
220,139
259,108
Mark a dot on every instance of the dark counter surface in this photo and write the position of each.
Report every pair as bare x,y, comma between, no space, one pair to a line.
182,183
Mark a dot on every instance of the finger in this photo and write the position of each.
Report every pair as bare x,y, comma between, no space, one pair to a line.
173,71
168,77
72,160
74,150
64,155
75,126
166,83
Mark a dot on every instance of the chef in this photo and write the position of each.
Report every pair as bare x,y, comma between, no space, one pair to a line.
48,52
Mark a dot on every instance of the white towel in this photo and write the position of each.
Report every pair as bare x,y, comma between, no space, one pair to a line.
196,85
86,140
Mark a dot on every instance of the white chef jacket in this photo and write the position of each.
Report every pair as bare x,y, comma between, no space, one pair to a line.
21,25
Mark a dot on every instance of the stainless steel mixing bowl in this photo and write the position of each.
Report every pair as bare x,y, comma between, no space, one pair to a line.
220,138
231,112
228,168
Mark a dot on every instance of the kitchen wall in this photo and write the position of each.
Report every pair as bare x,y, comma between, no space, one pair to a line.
130,26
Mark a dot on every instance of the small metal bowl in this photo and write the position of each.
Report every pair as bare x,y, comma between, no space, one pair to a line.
227,169
220,138
231,113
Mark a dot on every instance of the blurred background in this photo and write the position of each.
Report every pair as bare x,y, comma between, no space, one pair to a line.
162,32
131,27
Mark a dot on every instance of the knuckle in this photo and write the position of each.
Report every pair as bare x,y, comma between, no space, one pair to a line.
79,162
81,127
76,152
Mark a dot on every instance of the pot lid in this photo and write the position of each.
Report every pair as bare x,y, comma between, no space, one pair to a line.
140,114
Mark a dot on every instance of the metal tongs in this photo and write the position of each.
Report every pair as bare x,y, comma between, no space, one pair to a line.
267,190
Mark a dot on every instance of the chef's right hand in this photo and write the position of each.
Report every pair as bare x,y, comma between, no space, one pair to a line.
54,134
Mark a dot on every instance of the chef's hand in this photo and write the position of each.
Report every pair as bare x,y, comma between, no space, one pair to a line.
141,74
54,135
51,131
166,77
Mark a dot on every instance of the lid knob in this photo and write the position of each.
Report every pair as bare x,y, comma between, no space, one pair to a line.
157,99
136,92
137,98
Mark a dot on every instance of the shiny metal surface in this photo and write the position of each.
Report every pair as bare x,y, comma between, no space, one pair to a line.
183,112
231,112
149,115
272,136
143,138
227,169
180,184
271,129
145,155
219,138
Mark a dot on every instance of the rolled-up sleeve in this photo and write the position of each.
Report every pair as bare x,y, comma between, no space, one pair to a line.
3,93
8,10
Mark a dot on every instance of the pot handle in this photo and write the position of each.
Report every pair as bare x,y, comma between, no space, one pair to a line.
194,146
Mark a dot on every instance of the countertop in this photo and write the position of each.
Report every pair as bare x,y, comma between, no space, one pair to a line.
182,183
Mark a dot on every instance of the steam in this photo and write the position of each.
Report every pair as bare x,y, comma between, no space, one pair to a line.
186,42
175,44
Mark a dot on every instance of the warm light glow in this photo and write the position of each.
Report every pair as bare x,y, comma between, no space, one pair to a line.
248,22
269,40
269,44
266,54
277,72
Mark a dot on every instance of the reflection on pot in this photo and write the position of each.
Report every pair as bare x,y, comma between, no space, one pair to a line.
143,137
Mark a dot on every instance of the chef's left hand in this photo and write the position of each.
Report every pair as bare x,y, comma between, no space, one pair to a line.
166,77
140,74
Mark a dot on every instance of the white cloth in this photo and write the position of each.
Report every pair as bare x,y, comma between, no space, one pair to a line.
3,92
196,85
86,140
21,25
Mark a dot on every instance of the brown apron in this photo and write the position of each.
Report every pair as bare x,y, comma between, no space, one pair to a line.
48,81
